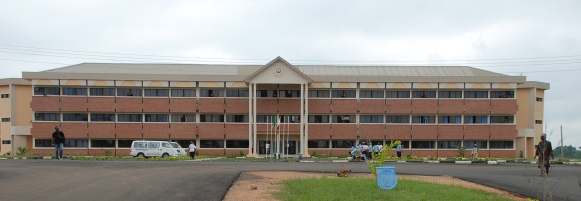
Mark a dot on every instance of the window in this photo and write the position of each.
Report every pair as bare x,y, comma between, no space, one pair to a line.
476,94
318,118
6,142
319,94
238,118
75,143
156,118
47,117
211,118
103,117
266,93
501,119
102,143
129,117
475,119
318,144
501,144
129,92
343,143
480,144
397,119
448,144
211,93
398,94
423,144
5,95
5,119
124,143
502,94
290,119
450,94
450,119
102,92
211,143
289,93
75,91
539,99
74,117
183,118
343,94
424,119
236,93
371,119
47,91
185,143
237,144
343,119
183,93
265,118
370,94
423,94
42,143
156,92
538,121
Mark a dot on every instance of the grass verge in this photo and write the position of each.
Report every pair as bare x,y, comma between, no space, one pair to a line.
367,189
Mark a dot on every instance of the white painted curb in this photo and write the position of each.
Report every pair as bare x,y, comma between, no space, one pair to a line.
433,161
307,161
464,162
402,161
340,161
492,162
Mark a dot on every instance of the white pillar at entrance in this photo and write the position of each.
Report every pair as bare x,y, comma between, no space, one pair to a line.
305,146
254,145
250,119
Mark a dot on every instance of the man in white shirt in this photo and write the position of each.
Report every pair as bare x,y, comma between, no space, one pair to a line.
192,150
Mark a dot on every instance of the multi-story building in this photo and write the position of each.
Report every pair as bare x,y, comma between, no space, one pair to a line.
16,115
228,109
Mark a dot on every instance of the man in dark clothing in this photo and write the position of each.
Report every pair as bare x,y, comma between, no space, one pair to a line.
58,139
544,151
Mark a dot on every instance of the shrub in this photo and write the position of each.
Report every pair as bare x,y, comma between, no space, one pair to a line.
22,150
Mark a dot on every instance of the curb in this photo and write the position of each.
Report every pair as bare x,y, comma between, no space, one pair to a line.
492,162
463,162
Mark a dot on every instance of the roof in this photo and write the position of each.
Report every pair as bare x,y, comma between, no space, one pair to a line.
318,73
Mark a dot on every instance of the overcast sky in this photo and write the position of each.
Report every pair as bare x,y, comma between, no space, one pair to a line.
538,39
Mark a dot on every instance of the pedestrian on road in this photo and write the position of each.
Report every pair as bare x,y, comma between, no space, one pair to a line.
544,151
58,139
192,150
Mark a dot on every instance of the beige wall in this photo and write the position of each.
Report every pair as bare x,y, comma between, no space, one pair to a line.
23,114
5,113
526,110
17,108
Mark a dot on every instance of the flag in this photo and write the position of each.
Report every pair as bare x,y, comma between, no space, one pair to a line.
274,123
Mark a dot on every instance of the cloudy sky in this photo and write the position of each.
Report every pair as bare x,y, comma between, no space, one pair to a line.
537,39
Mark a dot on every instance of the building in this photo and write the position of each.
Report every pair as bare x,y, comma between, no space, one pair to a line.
16,115
229,109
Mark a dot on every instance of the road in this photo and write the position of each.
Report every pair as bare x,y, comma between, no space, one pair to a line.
210,180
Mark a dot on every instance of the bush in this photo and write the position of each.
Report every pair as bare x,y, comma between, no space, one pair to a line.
22,150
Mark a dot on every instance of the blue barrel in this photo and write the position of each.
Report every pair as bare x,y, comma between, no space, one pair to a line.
386,177
300,157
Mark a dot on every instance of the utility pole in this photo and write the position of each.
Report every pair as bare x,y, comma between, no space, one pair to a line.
562,146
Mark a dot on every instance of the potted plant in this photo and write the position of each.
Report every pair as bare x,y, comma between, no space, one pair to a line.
386,177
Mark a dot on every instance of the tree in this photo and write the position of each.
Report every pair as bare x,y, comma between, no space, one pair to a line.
568,151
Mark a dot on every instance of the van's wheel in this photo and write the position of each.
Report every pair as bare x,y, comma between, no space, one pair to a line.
165,155
140,155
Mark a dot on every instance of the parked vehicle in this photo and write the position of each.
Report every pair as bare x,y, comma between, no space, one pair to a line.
181,151
153,148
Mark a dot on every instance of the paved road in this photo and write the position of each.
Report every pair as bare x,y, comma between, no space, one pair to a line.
196,180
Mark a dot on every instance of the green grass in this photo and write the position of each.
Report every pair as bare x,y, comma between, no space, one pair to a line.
367,189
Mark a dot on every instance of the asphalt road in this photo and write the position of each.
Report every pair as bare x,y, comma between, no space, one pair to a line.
206,180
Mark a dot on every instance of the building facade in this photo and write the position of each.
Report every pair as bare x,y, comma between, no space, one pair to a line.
16,115
232,109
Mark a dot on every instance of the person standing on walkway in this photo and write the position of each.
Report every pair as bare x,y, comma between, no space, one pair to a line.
475,151
192,150
58,139
544,151
398,148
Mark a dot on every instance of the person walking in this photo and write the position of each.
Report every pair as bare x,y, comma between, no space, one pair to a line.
58,139
192,150
544,151
475,151
398,148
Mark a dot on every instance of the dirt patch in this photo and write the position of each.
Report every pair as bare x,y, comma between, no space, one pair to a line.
268,182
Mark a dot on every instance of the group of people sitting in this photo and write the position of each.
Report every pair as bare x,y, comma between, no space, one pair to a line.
364,151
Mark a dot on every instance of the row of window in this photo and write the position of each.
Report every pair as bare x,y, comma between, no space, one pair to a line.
190,92
83,143
417,144
240,118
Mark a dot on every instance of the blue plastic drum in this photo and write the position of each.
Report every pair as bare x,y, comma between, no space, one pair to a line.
386,177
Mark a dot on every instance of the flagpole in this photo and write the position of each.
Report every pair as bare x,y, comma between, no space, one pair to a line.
266,150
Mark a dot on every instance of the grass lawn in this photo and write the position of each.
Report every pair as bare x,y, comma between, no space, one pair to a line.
367,189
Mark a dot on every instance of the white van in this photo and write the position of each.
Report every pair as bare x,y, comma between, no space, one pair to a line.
181,151
153,148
